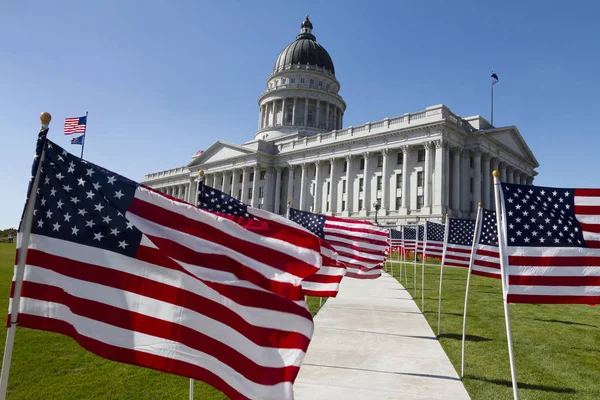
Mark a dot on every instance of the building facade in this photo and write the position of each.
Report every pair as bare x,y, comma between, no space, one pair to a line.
417,165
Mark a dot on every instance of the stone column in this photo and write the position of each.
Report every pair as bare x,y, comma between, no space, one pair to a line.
284,111
190,186
259,118
438,174
234,182
253,200
487,177
290,188
306,111
456,184
385,183
318,116
244,180
277,206
267,203
427,178
367,186
335,117
327,117
502,167
301,205
405,181
318,188
530,180
349,186
446,177
294,113
333,184
476,179
224,183
523,179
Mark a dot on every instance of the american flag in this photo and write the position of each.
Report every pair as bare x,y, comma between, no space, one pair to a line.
324,283
395,240
434,239
552,243
421,239
137,277
459,242
487,256
75,125
360,244
409,241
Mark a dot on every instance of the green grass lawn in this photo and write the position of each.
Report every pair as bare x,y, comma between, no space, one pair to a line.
47,365
557,347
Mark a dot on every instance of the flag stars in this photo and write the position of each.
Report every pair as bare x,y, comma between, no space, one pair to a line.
98,207
90,223
90,172
67,217
81,212
59,176
80,182
59,204
49,214
114,231
119,194
74,200
123,244
43,201
89,195
40,223
111,180
67,188
96,186
98,236
56,226
106,219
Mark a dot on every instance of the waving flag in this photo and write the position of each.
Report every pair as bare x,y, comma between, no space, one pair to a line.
487,256
459,242
409,241
420,239
434,240
360,244
552,244
137,277
75,125
324,283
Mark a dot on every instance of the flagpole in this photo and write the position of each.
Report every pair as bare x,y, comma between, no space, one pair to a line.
442,272
415,263
503,271
23,239
423,269
200,181
84,134
492,105
471,261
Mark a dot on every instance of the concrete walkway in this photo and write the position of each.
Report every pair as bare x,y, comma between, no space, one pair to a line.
372,342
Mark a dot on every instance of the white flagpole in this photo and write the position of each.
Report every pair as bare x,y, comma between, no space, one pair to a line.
423,269
191,389
415,262
442,272
504,272
471,261
23,239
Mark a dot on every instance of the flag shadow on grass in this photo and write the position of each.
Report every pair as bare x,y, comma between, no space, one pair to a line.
450,378
444,313
468,338
507,383
563,322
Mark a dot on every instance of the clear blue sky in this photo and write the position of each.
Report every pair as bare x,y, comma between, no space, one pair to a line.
164,79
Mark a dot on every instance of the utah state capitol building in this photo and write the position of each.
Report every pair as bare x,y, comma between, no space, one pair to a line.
418,165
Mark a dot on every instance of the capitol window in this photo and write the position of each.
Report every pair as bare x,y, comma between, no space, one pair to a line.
292,80
262,175
261,192
398,181
362,163
361,184
320,83
400,158
251,178
421,155
301,80
420,179
419,202
398,202
284,81
380,161
379,182
312,81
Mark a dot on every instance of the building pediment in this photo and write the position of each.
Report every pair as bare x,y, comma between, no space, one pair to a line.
512,139
221,151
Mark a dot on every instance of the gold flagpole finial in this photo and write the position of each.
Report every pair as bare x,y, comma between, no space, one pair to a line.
496,173
45,119
480,204
201,173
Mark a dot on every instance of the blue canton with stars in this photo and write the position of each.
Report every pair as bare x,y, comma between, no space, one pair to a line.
435,231
311,221
216,201
489,233
421,233
83,203
410,232
460,231
395,234
541,216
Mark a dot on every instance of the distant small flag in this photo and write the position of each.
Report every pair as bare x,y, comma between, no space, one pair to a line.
494,78
78,140
75,125
199,152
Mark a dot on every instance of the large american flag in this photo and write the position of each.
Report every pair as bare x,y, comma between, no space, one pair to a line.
553,244
137,277
459,242
324,283
395,240
75,125
486,261
434,239
359,244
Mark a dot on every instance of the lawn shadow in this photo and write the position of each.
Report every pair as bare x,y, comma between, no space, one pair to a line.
563,322
503,382
444,313
468,338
